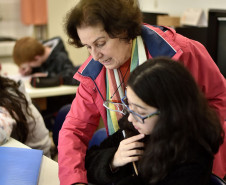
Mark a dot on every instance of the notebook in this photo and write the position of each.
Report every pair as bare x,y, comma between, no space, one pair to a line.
19,166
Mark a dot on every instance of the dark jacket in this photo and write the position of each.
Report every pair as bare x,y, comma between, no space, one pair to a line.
59,67
98,159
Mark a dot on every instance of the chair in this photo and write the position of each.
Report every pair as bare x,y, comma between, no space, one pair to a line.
215,180
98,137
59,120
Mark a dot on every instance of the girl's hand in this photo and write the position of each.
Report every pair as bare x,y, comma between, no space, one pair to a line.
128,151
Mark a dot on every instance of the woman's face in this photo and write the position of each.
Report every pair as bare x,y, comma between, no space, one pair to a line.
141,108
112,53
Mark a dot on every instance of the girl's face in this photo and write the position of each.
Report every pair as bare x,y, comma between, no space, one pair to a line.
112,53
143,109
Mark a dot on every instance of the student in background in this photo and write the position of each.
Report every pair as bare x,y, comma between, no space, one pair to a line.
118,42
48,59
176,132
20,119
49,65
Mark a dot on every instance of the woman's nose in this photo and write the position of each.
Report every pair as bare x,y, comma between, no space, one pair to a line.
96,54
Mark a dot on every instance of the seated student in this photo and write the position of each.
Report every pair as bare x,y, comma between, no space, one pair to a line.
20,119
49,64
48,59
176,132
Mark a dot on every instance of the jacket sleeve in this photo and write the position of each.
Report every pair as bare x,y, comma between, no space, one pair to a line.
98,159
212,83
64,69
74,136
6,125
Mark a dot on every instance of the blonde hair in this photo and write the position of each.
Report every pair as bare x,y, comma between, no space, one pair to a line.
26,49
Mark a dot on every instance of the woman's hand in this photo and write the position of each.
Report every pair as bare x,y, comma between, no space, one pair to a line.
129,150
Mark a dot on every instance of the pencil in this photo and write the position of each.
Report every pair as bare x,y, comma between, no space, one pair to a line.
134,165
135,168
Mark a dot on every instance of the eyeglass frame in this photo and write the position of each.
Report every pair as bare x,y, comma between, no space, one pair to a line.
136,114
115,104
123,104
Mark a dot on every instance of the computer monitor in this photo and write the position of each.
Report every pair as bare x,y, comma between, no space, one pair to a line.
221,45
212,33
216,38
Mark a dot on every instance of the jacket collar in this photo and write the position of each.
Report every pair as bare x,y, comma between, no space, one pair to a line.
156,42
92,69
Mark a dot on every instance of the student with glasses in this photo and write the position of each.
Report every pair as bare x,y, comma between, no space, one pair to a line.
118,42
171,133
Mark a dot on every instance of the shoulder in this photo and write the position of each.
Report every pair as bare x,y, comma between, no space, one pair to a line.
6,125
160,41
197,171
91,69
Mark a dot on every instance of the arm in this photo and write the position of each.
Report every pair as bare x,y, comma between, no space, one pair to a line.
64,69
98,159
206,73
6,125
78,128
57,70
111,161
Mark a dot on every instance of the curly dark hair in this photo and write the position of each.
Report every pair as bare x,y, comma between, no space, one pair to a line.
117,17
13,101
185,119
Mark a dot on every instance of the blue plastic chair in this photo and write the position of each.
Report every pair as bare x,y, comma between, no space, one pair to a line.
98,137
59,120
215,180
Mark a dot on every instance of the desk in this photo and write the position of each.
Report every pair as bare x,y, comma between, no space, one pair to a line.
49,168
49,91
11,70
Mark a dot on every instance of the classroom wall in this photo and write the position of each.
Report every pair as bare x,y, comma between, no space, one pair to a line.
57,10
10,22
177,7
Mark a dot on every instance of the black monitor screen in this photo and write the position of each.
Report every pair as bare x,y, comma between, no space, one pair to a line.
221,45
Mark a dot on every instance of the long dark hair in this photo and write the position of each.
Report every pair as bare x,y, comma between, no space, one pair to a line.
13,101
117,17
185,117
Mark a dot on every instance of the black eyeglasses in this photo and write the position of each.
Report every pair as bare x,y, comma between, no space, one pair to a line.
123,108
137,116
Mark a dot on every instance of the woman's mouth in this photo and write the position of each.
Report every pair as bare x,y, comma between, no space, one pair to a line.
106,61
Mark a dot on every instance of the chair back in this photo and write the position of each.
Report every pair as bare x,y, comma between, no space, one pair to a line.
98,137
59,120
215,180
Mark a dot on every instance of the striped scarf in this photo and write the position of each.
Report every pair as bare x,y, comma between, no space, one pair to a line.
116,82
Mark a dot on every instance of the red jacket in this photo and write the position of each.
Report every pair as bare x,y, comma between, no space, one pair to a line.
87,108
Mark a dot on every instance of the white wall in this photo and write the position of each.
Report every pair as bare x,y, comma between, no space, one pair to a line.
177,7
57,10
10,22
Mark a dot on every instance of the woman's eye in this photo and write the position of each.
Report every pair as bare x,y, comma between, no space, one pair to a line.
100,45
88,47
